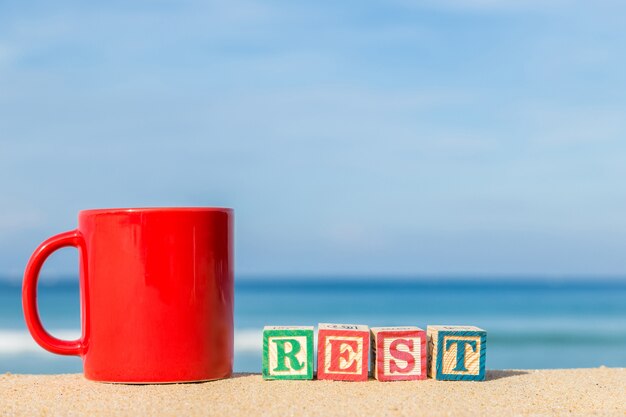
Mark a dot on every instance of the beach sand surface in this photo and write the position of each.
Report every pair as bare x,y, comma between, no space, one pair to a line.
584,392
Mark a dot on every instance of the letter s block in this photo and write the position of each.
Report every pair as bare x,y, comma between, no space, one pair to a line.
288,352
457,353
399,353
343,352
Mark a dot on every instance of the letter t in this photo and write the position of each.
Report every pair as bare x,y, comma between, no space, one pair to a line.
460,351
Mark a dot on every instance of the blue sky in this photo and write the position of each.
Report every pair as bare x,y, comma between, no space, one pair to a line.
394,137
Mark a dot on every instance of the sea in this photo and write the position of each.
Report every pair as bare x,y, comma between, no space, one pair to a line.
531,323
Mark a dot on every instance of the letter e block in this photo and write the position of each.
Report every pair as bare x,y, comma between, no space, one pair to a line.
343,352
456,353
399,353
288,352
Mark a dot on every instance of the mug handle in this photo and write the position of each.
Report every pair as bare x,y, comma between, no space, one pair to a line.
29,293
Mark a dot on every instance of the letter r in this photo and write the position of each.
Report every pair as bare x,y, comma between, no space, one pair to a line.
282,355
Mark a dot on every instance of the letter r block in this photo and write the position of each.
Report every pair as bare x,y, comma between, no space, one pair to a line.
288,352
399,353
343,352
457,353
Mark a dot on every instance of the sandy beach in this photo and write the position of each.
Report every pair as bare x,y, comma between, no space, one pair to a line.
600,391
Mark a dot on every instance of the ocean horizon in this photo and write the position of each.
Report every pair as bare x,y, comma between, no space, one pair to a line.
531,322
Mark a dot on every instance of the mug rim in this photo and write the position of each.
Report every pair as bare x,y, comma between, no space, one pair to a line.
115,210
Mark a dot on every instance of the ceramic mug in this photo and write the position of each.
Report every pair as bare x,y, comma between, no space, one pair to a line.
156,289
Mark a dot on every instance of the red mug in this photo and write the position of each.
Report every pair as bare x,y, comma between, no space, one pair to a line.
156,288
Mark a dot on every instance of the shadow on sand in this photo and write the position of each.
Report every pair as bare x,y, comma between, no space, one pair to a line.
493,375
244,374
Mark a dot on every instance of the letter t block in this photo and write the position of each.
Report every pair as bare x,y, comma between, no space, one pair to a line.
399,353
457,353
343,352
288,352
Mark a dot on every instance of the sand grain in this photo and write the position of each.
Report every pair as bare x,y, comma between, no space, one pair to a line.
587,392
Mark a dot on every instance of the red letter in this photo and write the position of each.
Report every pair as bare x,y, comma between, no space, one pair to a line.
341,349
401,355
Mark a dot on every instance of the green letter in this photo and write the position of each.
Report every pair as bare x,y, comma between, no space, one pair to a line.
282,355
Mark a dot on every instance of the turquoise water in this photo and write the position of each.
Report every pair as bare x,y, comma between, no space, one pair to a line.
530,323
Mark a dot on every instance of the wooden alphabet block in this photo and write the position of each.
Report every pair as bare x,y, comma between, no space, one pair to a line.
456,353
288,352
343,352
399,353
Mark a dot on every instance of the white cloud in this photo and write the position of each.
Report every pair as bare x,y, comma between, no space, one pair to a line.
557,124
6,54
15,219
487,5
